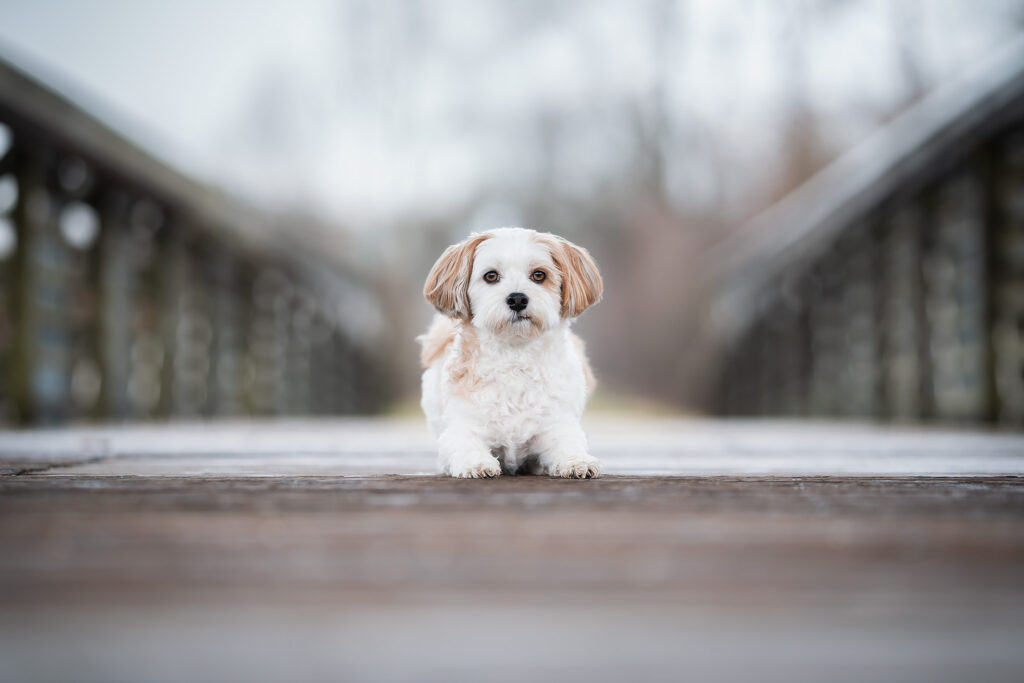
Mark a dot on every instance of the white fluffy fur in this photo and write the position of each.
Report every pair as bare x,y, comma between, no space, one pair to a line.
503,394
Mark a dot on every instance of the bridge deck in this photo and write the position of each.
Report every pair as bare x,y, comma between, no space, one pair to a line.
329,551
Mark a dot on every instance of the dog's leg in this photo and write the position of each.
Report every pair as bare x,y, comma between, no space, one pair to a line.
465,455
562,451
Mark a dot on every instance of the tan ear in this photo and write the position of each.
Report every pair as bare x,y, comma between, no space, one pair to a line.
447,286
581,282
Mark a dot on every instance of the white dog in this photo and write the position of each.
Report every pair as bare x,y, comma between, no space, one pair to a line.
506,381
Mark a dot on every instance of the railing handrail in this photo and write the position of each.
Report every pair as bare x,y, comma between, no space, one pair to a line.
62,123
805,221
26,97
181,300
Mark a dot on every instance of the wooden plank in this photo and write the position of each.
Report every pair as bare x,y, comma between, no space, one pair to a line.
108,578
765,539
270,551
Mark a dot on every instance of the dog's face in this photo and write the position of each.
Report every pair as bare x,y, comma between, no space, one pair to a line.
513,281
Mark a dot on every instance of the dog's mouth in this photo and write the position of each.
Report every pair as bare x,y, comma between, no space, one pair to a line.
520,324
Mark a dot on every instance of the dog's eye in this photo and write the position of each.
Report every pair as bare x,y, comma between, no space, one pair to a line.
538,276
491,276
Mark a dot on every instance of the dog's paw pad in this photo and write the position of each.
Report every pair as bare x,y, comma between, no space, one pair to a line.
478,470
586,467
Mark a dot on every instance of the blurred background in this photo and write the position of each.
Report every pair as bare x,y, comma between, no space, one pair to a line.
800,207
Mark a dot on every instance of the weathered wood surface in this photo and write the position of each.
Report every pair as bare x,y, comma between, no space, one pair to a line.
329,551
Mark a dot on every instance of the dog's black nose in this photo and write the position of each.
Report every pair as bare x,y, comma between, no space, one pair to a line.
517,301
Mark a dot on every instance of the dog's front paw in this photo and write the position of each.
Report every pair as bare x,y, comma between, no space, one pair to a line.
577,467
475,468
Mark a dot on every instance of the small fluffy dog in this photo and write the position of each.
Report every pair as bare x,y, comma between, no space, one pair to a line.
505,380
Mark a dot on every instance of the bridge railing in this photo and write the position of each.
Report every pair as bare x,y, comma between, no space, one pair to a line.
129,291
892,284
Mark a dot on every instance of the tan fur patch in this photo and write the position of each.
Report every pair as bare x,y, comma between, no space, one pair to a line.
462,372
446,332
441,333
447,285
588,373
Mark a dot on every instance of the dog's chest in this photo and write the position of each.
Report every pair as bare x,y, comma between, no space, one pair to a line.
521,388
